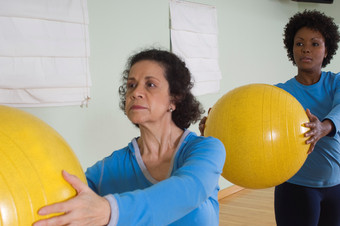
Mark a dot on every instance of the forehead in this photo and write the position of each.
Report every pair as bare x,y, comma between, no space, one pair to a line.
308,33
147,68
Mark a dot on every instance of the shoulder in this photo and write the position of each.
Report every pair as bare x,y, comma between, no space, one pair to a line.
331,81
193,138
118,154
286,85
331,77
204,144
115,156
121,152
202,152
94,174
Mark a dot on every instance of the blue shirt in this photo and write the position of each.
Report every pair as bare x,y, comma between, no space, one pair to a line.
187,197
322,166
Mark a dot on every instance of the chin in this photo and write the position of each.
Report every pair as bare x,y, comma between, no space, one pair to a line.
136,121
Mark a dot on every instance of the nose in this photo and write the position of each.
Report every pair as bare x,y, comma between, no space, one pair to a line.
305,49
138,92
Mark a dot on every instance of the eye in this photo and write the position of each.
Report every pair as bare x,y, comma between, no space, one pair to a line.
315,44
299,44
150,84
130,85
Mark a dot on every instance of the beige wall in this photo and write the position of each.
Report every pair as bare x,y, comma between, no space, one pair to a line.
251,51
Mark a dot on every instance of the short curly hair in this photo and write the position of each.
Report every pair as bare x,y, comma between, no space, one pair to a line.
188,108
317,21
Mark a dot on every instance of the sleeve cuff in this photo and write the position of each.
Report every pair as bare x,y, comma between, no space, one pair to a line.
333,132
114,210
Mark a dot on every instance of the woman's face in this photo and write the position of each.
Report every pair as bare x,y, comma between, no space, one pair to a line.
309,50
147,97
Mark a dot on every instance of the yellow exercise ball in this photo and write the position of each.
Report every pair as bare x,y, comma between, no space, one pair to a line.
261,127
32,157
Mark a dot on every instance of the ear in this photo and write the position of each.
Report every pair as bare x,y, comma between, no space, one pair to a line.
172,104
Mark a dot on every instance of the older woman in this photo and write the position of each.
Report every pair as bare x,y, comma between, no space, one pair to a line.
312,195
167,175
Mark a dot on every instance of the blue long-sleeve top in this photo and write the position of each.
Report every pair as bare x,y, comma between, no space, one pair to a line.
187,197
322,167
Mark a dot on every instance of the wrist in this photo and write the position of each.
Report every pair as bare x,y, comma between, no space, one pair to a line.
114,211
107,212
328,127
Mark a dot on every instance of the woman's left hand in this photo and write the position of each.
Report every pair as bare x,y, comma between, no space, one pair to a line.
201,125
317,129
86,208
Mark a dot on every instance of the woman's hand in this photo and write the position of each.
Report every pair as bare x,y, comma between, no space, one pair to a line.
317,129
201,125
86,208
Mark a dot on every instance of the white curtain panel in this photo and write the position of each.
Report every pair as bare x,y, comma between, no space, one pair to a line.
194,38
44,53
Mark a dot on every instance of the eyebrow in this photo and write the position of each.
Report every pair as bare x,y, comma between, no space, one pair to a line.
146,77
314,38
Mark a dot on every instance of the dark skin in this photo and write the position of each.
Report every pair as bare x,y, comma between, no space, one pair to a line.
309,51
201,125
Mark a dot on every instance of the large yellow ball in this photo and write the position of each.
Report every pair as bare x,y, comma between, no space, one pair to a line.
261,127
32,157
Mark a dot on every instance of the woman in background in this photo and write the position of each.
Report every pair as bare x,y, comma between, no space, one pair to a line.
312,196
166,176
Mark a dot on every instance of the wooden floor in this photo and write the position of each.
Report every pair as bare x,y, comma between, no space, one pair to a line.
248,207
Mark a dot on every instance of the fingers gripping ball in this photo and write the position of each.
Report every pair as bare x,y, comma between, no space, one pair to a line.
32,157
261,127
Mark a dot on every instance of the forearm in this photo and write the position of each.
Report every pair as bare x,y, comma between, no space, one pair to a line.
162,203
114,210
170,200
328,128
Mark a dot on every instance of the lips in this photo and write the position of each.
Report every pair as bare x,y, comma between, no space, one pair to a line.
137,107
305,59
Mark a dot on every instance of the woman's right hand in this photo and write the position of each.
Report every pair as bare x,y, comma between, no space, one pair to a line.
86,208
317,130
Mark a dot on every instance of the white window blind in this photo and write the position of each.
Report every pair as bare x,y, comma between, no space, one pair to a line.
194,38
44,53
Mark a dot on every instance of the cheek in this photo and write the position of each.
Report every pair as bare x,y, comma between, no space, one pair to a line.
294,52
323,54
295,56
127,102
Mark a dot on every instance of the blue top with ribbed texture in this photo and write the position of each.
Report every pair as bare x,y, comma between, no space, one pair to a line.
187,197
322,167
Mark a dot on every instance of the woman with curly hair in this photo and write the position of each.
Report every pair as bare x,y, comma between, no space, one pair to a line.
312,195
166,176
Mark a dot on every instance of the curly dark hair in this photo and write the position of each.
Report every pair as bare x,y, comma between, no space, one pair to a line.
188,109
317,21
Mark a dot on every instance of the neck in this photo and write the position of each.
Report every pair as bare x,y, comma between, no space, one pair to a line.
160,141
308,78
